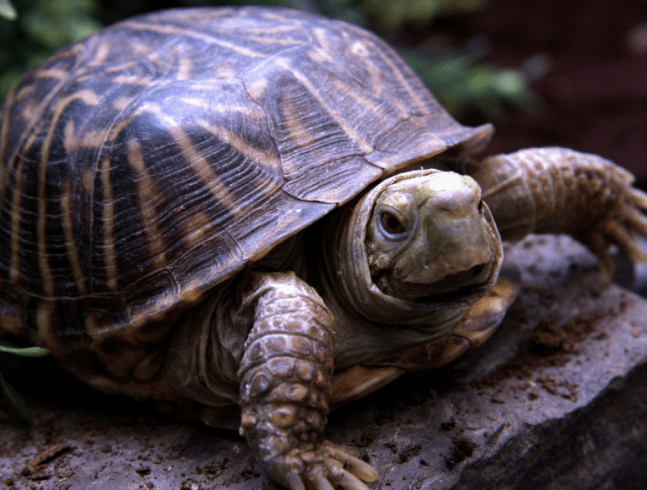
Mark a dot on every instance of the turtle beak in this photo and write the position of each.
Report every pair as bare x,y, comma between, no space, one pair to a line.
454,245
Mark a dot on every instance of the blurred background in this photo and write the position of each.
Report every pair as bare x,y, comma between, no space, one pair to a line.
556,72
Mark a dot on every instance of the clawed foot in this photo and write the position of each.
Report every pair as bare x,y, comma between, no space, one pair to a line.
623,223
322,467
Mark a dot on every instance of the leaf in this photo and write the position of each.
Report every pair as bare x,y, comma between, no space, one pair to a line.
7,10
458,81
392,15
6,348
16,401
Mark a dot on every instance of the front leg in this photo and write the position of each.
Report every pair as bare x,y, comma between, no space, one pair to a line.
285,378
556,190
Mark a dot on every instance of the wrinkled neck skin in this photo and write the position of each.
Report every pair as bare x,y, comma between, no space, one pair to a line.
370,322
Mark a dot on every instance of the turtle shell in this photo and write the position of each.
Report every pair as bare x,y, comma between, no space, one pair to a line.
157,158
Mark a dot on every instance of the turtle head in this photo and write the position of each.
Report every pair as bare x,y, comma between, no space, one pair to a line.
431,236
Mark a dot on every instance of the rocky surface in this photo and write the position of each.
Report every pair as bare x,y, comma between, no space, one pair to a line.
556,399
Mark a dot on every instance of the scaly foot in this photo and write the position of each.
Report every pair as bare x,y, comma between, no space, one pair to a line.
322,466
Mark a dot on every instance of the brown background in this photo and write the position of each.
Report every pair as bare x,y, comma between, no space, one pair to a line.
595,92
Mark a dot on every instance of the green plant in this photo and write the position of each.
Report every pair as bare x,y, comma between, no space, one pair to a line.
7,10
32,30
391,15
460,81
10,352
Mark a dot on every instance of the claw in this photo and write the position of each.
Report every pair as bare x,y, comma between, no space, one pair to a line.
362,470
358,467
351,482
295,482
619,172
636,197
322,467
599,246
620,236
322,483
635,219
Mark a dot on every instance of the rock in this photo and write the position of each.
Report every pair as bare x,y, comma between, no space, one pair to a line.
557,398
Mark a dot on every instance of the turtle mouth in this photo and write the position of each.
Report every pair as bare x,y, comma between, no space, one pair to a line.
462,286
457,285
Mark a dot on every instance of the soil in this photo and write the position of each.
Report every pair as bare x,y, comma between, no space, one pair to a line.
595,91
550,345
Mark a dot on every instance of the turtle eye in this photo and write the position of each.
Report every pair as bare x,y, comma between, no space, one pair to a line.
391,225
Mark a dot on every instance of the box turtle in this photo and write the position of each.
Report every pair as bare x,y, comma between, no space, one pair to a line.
264,210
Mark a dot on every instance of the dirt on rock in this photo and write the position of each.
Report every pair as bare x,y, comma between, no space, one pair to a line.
550,345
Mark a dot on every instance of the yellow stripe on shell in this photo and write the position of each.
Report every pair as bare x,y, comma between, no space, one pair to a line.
70,242
154,56
54,73
32,138
44,321
4,129
14,272
322,38
100,54
281,19
402,82
250,152
196,161
338,118
257,88
108,217
140,49
225,71
251,113
89,97
122,103
13,324
87,179
31,114
184,70
147,193
363,101
192,291
91,326
24,92
269,41
120,67
299,132
70,141
46,272
116,129
196,227
127,79
92,139
318,55
179,31
277,29
376,81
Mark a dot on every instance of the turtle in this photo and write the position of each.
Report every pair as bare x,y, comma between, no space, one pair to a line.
256,214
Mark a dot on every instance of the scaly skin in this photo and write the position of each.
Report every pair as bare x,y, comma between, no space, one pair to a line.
557,190
285,378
